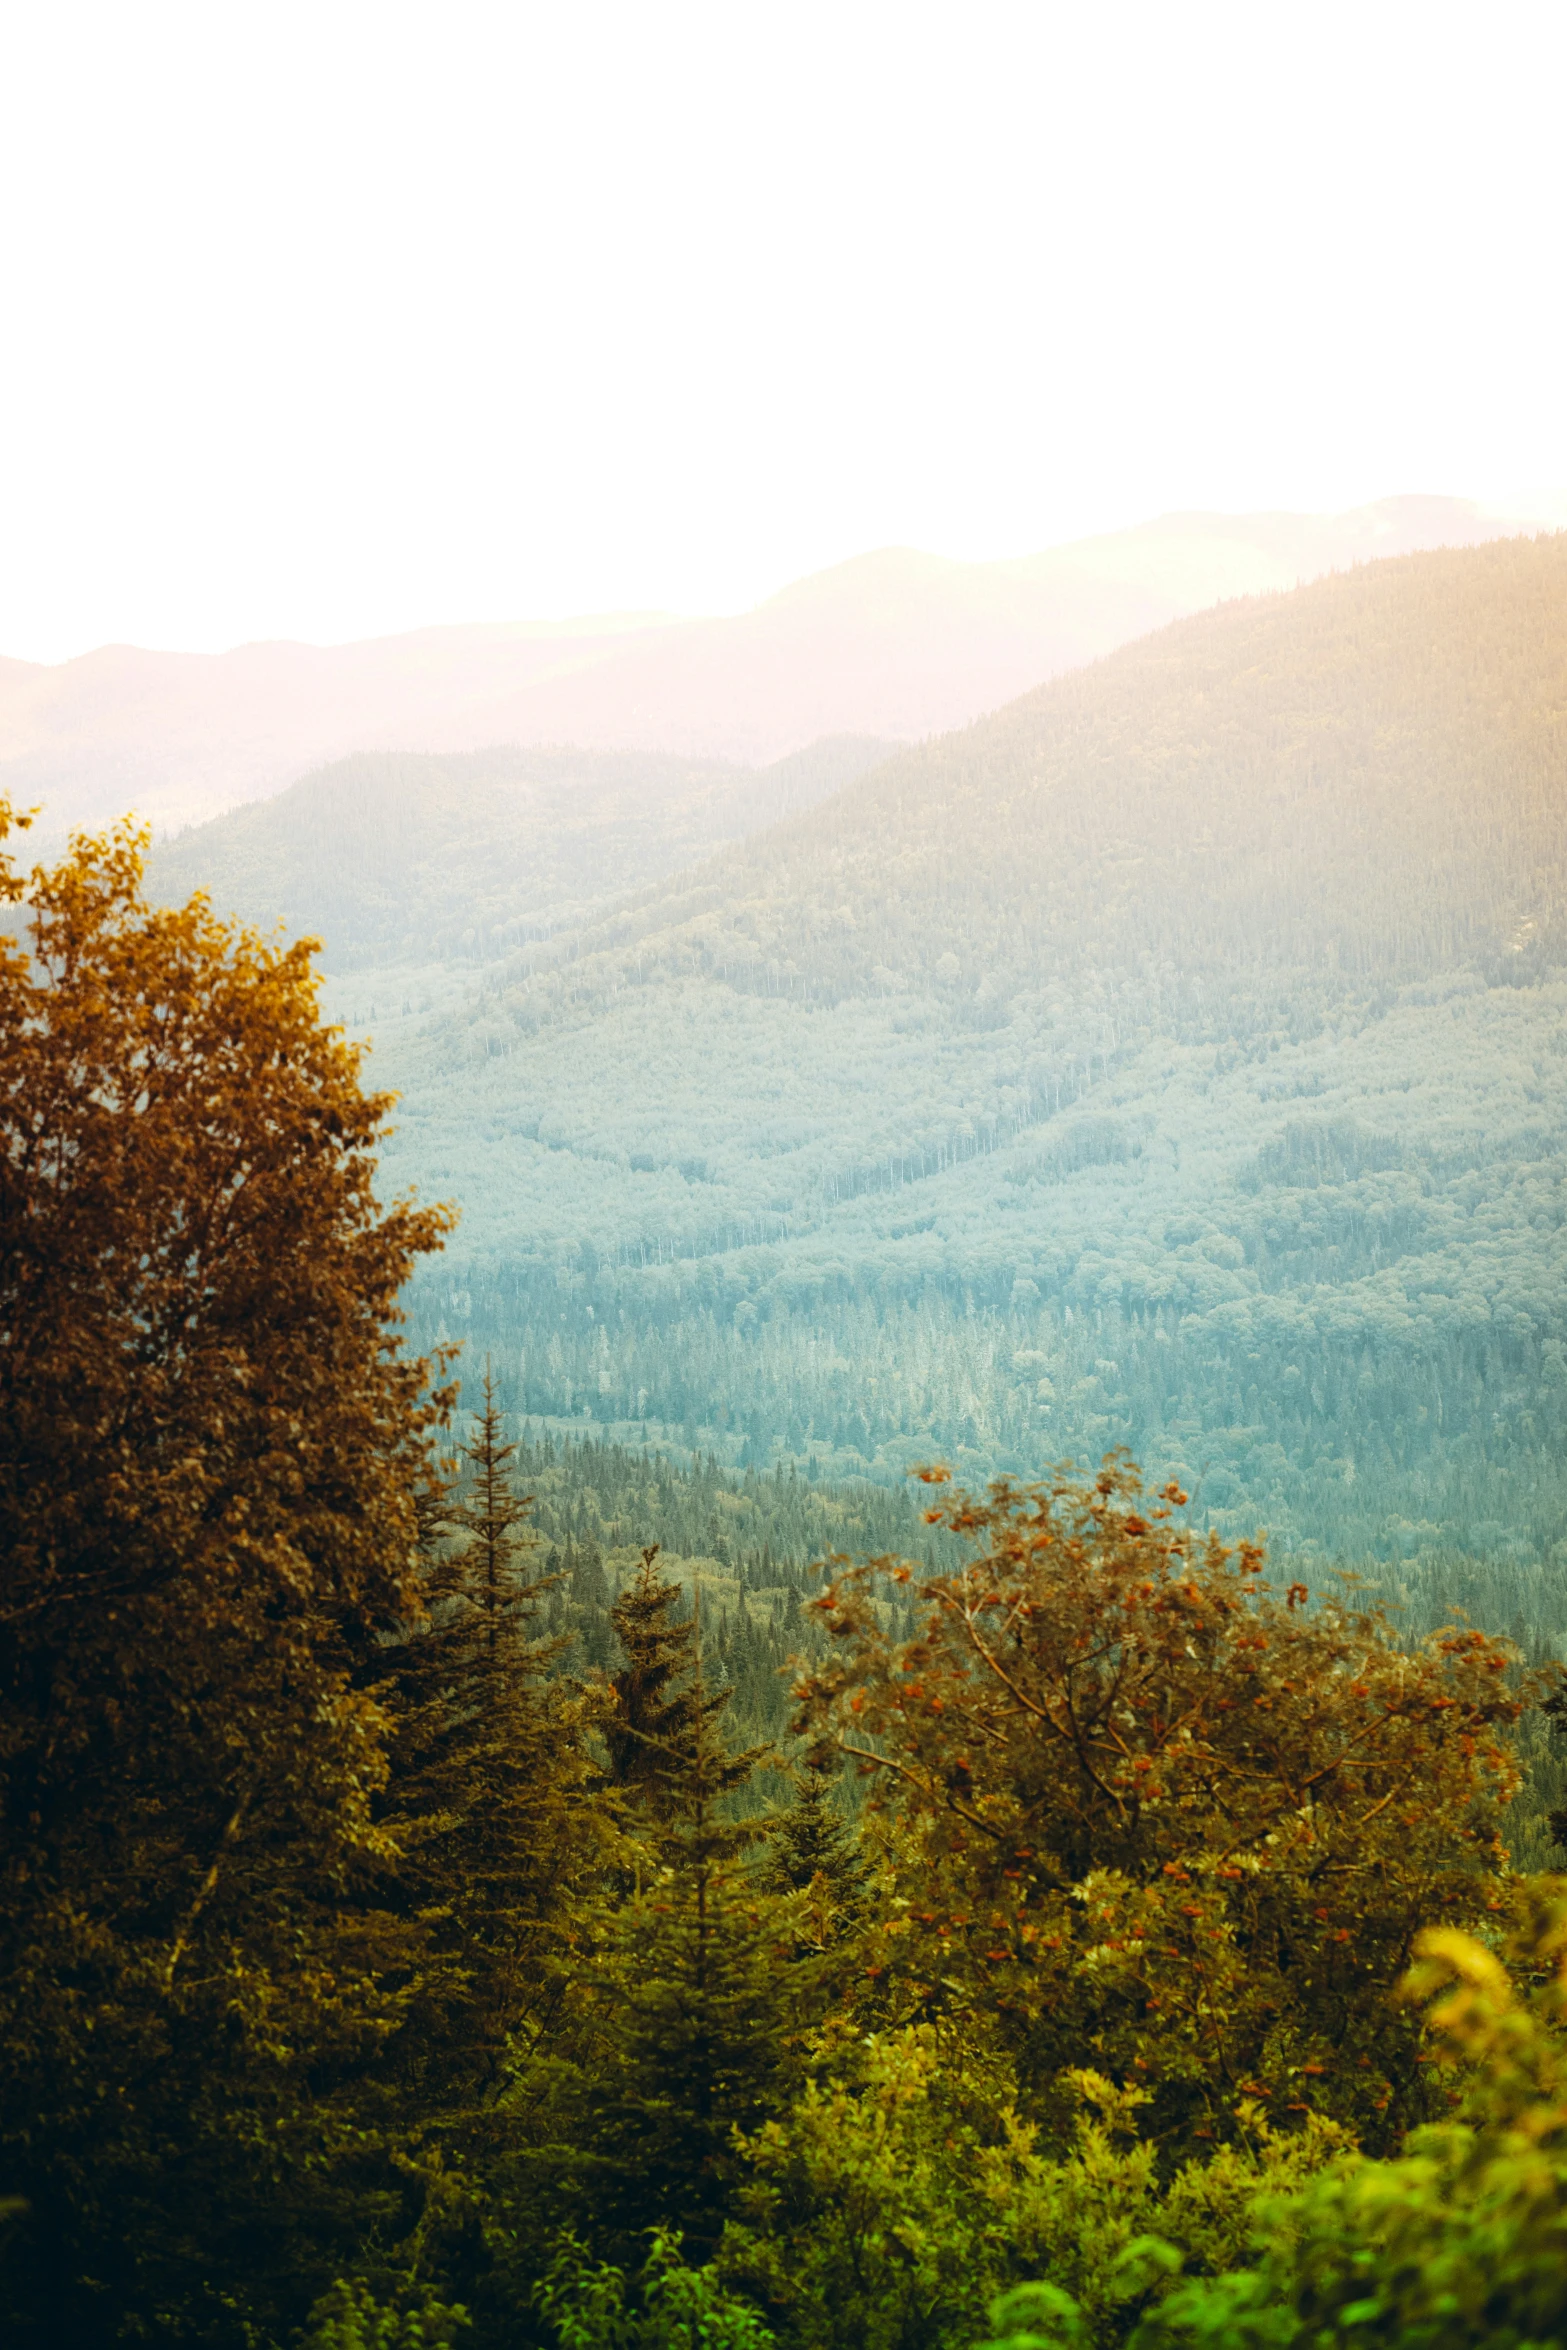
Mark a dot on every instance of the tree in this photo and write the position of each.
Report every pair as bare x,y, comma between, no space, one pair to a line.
1457,2243
698,1999
812,1850
495,1584
1159,1819
210,1450
900,2190
812,1839
655,1732
493,1793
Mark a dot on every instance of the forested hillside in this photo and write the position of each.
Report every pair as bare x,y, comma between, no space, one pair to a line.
747,1547
429,1916
415,861
1177,1058
750,1549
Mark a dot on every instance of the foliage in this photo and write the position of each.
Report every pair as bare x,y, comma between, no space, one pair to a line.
812,1849
669,2305
701,1984
1162,1817
742,1543
661,1729
349,2317
383,1887
496,1802
1459,2242
901,2190
210,1449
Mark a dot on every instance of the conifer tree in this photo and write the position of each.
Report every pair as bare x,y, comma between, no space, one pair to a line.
491,1515
588,1586
699,2010
493,1787
654,1732
812,1849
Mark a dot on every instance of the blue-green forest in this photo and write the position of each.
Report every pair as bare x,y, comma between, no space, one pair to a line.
1177,1059
786,1565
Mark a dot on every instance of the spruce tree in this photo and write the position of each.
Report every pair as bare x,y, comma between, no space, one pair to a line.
655,1730
588,1586
811,1848
493,1517
494,1785
699,2006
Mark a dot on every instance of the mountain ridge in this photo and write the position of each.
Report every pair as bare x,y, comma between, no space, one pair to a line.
427,856
894,644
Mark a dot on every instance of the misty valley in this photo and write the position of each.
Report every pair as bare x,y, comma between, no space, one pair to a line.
1175,1060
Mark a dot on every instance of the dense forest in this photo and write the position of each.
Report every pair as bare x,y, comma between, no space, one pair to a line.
412,862
470,1882
1176,1059
522,1821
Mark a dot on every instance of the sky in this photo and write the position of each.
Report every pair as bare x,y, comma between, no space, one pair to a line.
325,321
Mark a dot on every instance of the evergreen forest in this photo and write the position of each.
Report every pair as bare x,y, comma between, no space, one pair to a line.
1175,1059
808,1591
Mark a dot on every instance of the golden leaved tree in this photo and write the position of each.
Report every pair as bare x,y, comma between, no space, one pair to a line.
1156,1818
210,1450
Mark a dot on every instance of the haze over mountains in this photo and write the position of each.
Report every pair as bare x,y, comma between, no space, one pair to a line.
453,858
1175,1058
895,645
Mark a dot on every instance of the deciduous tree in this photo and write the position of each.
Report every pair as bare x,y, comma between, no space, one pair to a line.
210,1447
1162,1819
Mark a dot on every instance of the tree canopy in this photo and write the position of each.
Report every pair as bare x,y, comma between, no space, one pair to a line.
1161,1817
211,1444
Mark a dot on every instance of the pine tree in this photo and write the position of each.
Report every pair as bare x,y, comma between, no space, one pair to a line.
494,1787
654,1734
700,2006
588,1586
812,1849
496,1584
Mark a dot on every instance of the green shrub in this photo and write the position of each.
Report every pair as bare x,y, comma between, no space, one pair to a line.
668,2306
1460,2243
893,2201
349,2317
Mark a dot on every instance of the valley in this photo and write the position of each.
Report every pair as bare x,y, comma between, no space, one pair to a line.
1177,1059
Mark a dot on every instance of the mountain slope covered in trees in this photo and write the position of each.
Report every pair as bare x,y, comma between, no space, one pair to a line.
397,1942
1176,1058
417,860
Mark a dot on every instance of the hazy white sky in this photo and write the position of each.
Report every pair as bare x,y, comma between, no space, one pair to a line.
331,319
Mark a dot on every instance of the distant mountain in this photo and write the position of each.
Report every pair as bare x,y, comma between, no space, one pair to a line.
1177,1058
416,859
903,644
895,644
179,736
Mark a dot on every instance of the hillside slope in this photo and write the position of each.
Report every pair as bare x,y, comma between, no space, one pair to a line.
892,644
420,860
1178,1057
177,737
1363,779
